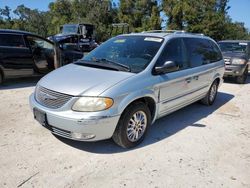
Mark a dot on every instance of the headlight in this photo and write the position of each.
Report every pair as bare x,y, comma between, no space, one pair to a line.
92,104
237,61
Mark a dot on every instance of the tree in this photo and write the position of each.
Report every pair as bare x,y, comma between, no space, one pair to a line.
235,31
5,18
97,12
31,20
201,16
155,20
61,13
140,15
5,12
174,9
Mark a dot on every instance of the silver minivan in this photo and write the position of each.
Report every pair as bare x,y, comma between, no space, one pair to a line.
119,89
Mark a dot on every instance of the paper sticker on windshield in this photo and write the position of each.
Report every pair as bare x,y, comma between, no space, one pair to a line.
120,41
153,39
243,43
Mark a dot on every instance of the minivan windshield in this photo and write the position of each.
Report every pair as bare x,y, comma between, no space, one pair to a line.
127,53
233,47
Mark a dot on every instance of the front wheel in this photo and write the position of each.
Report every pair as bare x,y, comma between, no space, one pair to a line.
133,125
242,78
211,95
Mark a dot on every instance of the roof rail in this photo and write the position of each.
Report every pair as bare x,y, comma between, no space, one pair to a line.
201,34
172,32
162,31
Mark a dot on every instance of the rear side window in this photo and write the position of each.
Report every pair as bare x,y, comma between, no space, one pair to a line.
201,51
174,51
216,54
9,40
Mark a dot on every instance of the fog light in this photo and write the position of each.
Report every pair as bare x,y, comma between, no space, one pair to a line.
82,136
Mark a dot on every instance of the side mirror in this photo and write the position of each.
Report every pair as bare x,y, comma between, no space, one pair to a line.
168,66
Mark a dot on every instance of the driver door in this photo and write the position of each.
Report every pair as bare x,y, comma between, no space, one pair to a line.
43,54
174,87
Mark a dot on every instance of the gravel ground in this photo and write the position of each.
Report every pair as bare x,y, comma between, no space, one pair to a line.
197,146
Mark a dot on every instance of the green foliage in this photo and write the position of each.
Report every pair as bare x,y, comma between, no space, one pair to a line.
236,31
140,15
97,12
28,20
101,13
201,16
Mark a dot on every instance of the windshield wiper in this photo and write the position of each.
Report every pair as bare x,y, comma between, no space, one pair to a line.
127,68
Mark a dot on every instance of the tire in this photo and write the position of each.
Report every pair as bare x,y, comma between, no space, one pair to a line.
211,94
242,78
124,133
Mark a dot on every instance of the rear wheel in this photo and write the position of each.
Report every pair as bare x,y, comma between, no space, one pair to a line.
211,95
132,126
242,78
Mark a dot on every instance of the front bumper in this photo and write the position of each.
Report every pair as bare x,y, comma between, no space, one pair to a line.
234,70
76,125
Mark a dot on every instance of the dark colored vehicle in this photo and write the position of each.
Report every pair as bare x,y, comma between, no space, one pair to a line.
236,54
118,29
79,37
25,54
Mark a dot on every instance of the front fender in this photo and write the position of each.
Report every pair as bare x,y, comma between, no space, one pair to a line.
126,100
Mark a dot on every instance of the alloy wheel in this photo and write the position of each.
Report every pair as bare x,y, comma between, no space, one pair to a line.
136,126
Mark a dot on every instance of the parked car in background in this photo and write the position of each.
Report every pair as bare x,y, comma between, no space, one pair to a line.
236,54
119,89
79,37
26,54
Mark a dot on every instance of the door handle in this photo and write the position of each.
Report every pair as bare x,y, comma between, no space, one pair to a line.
196,77
188,80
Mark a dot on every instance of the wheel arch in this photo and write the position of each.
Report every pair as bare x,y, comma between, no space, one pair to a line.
218,78
149,100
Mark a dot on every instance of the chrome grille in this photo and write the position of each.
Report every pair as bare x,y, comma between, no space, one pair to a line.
227,61
51,99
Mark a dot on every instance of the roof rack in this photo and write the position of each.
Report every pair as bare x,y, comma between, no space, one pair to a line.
162,31
172,32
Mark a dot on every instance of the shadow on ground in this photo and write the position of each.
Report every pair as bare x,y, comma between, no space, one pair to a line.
161,129
16,83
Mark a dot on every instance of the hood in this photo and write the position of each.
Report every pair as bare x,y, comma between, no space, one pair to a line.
63,36
77,80
230,55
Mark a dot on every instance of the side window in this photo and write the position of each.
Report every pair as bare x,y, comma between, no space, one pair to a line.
199,51
174,51
12,40
196,51
36,42
216,53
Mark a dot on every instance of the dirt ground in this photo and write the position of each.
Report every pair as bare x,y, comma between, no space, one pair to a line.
197,146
